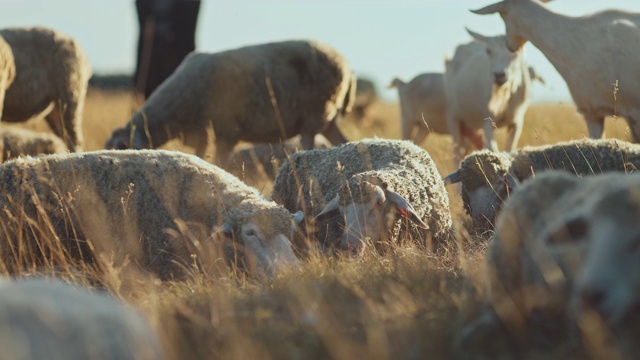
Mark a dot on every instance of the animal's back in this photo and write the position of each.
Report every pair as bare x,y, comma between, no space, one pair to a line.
122,201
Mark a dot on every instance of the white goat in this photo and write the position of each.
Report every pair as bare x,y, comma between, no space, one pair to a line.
597,55
423,105
486,87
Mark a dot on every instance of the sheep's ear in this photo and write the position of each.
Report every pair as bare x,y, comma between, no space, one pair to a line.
491,9
225,229
330,209
298,216
452,178
405,208
476,36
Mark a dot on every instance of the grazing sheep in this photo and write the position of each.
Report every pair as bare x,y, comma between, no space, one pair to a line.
263,160
7,70
608,283
52,76
486,87
366,95
488,177
48,319
260,93
534,257
153,209
562,245
576,46
423,105
364,189
16,142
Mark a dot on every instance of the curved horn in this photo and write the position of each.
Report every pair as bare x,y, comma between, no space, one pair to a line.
453,178
405,208
329,209
490,9
476,36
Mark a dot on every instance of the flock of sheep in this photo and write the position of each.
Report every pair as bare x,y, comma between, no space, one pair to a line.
559,241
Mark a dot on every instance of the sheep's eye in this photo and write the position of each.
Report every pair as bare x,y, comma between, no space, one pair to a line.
489,52
250,232
573,231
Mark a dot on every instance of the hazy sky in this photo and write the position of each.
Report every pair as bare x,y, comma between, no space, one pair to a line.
380,38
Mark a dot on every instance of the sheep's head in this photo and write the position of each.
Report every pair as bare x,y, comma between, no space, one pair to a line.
515,40
369,209
126,138
609,283
264,236
506,66
486,183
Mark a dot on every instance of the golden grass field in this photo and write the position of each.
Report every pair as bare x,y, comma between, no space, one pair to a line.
406,304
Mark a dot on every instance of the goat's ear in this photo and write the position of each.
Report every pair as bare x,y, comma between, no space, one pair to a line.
404,208
491,9
452,178
298,216
476,36
330,209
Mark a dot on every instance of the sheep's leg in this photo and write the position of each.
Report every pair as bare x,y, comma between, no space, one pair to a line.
198,141
223,149
333,134
595,125
65,120
489,142
421,134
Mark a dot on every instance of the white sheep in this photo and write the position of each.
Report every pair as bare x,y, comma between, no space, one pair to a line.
488,177
262,161
261,93
534,258
423,106
7,70
52,76
486,87
608,283
16,142
605,45
49,319
153,209
387,191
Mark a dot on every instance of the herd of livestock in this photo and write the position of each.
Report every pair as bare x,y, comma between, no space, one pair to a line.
560,241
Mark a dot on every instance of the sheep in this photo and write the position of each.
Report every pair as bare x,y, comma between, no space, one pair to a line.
7,70
16,142
52,76
364,189
48,319
153,209
562,245
534,258
422,105
608,283
488,177
486,87
261,93
576,46
366,95
263,160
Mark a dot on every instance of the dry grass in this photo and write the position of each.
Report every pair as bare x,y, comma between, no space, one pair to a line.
407,303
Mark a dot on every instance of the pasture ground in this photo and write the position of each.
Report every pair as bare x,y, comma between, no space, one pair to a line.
405,304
